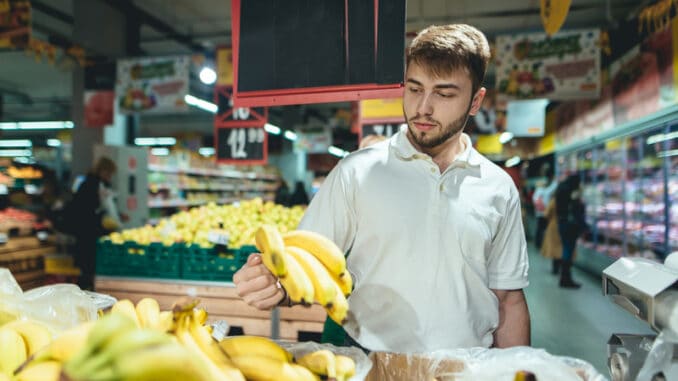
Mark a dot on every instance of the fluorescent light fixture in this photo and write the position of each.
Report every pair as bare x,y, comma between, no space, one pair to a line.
201,103
159,151
271,129
208,76
336,151
51,125
512,162
662,137
17,143
15,153
54,142
669,153
166,141
290,135
206,151
505,137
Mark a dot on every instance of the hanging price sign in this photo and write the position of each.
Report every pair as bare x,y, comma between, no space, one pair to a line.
241,145
229,116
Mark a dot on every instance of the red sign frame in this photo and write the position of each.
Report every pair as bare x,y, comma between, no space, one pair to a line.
324,94
220,119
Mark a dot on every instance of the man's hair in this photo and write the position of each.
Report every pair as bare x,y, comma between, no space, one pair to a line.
443,49
104,164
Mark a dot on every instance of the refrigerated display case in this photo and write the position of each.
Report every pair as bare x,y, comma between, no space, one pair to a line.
630,188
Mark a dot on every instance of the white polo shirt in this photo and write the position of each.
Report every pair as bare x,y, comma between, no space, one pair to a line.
425,248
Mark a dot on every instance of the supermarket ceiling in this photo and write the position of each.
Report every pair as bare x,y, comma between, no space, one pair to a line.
38,90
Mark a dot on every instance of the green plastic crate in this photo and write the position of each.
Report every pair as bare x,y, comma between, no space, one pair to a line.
211,265
132,259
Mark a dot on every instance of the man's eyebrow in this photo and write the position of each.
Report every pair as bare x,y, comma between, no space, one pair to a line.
439,86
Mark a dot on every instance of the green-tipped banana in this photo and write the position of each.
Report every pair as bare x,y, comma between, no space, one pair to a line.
236,346
272,247
323,285
320,362
127,342
101,333
321,247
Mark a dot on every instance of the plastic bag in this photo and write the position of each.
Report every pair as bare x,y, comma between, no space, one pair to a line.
362,362
660,357
10,297
481,364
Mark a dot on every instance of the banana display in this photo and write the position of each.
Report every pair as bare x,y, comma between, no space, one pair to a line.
310,267
140,342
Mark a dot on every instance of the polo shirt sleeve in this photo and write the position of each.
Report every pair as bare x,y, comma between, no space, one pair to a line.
331,212
508,263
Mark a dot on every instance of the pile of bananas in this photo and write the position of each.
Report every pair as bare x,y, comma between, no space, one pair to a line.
143,343
310,267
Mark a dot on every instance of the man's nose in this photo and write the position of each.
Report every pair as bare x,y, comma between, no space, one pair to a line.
425,107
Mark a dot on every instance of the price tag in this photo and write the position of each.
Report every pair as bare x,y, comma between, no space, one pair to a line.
383,129
218,237
242,145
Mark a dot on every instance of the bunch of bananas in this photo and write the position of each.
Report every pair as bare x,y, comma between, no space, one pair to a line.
310,267
20,339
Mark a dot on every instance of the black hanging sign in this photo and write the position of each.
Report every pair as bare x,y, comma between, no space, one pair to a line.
228,116
243,145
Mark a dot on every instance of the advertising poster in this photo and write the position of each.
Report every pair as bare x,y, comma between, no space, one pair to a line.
152,85
15,23
565,66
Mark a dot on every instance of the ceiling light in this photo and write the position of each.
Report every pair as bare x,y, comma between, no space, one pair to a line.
201,104
166,141
160,151
505,137
290,135
336,151
512,162
662,137
48,125
54,142
669,153
18,143
271,129
206,151
15,152
208,76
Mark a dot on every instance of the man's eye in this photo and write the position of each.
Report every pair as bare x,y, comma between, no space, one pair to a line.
415,90
445,95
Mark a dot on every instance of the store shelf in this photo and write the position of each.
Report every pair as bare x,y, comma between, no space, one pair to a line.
212,172
223,188
178,203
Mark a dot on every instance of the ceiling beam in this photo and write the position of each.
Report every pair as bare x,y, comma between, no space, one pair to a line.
53,12
127,7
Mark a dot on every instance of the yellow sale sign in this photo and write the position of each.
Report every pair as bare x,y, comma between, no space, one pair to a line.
553,14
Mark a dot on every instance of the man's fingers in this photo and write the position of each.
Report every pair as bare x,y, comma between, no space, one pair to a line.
271,301
248,272
254,259
259,296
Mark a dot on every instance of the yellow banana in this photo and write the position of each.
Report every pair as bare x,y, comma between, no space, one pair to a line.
200,315
321,247
35,335
13,351
166,321
4,377
323,284
297,283
320,362
257,368
218,369
339,308
272,247
44,371
305,374
345,367
148,313
236,346
345,283
64,346
126,307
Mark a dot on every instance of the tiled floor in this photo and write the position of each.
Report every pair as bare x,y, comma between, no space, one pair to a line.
574,323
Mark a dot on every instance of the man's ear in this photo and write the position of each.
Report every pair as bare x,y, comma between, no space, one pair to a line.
477,101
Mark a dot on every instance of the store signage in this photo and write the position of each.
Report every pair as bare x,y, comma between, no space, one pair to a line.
152,85
224,66
228,115
381,108
15,23
383,129
245,145
526,118
313,140
565,66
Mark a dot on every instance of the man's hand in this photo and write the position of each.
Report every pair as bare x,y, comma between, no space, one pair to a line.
514,319
256,285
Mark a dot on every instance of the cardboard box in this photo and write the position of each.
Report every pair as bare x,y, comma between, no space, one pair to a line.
400,367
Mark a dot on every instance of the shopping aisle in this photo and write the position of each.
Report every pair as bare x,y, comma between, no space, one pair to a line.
574,323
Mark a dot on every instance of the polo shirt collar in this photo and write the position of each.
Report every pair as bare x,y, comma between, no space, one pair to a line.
403,148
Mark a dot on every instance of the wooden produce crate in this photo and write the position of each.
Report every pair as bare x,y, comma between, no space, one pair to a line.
24,257
221,302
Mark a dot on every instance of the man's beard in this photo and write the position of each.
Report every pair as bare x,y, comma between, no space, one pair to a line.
426,139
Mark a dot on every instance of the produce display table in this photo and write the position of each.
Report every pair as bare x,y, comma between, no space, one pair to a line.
25,259
221,302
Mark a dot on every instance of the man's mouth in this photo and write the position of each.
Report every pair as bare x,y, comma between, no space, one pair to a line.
424,126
